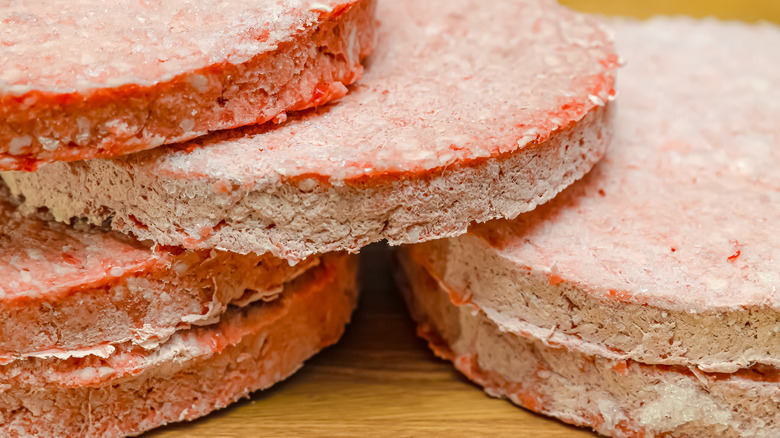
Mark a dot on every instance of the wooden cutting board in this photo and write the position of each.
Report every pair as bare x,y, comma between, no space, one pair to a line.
381,380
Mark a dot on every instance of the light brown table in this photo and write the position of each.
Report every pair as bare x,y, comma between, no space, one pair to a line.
381,380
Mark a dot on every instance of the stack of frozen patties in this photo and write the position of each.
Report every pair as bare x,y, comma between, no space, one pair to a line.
172,238
104,334
642,301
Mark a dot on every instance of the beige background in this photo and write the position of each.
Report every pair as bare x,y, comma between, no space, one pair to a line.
381,381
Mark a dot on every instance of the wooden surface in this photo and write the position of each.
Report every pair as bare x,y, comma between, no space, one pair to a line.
381,381
746,10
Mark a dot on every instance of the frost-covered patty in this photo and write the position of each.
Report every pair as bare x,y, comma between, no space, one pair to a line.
77,291
618,398
668,251
85,79
193,373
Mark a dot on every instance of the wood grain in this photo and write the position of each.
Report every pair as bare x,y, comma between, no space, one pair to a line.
381,380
